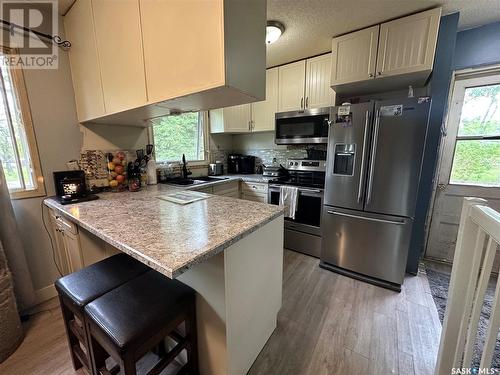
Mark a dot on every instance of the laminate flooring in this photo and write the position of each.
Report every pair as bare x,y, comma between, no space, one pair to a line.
328,324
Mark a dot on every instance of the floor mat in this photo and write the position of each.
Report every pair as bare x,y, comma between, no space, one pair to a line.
438,282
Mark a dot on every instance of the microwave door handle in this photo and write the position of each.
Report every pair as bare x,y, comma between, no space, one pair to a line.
363,157
373,157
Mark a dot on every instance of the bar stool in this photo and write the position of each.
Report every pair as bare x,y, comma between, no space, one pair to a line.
79,288
135,318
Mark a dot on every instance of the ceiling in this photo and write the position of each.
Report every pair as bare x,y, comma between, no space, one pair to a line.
311,24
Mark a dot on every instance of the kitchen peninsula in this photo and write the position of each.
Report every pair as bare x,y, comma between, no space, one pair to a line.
229,250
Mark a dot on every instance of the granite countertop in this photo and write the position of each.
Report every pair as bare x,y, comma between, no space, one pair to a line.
168,237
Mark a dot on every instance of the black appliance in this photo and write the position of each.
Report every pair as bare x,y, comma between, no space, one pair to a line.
241,164
303,233
71,187
302,127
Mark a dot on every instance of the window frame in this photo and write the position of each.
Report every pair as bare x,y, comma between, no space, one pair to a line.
19,85
204,118
462,81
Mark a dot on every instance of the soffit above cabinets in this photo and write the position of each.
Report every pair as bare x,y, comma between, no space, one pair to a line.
310,25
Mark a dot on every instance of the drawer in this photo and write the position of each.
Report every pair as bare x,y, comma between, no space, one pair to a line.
255,197
226,188
65,225
254,187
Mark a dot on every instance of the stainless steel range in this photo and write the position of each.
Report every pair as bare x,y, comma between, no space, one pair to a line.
304,232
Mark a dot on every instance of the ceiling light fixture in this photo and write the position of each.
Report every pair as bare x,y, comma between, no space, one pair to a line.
274,30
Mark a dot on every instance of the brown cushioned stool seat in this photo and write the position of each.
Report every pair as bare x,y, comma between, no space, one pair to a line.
81,287
135,318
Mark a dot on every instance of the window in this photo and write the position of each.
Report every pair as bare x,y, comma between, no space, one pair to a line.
175,135
477,149
18,150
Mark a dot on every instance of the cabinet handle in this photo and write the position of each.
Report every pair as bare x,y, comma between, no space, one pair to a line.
249,125
379,73
302,103
307,102
370,75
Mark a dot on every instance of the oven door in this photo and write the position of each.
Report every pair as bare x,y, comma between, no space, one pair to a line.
309,126
309,209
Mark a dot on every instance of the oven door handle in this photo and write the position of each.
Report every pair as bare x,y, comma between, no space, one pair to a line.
366,218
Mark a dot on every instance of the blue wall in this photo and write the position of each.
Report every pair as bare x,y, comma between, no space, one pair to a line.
478,46
439,87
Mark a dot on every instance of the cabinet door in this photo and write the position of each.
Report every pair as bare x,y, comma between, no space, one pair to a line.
73,251
85,69
237,118
182,54
291,79
263,112
119,44
318,90
407,45
354,56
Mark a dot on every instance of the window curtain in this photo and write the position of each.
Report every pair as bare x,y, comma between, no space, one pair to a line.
13,249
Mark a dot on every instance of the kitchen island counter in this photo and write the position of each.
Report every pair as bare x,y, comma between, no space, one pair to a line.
229,250
168,237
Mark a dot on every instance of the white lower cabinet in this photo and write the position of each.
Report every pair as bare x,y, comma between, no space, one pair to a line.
254,191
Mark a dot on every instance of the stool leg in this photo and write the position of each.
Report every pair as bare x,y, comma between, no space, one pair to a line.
97,354
127,364
192,335
72,339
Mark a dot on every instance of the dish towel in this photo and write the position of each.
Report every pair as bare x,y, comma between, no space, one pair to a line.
289,196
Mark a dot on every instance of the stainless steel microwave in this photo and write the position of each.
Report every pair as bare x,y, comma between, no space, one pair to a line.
299,127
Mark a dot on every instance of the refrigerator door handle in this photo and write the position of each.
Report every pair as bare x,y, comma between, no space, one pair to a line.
373,157
367,218
363,154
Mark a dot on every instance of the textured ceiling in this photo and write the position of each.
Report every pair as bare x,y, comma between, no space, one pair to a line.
311,24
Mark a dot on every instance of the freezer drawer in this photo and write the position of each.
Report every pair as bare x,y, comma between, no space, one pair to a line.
372,245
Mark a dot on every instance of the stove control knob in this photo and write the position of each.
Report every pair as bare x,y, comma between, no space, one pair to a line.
291,163
296,163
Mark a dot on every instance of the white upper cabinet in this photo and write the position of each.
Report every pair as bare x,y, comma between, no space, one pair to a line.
318,90
354,56
407,45
263,112
85,70
404,48
132,60
292,79
119,44
235,119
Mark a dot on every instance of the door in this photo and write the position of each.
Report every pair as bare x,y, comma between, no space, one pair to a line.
318,90
469,164
407,45
354,56
119,44
369,244
397,148
292,80
348,151
85,69
263,112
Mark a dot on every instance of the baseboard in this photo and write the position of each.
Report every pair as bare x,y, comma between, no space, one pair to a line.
44,294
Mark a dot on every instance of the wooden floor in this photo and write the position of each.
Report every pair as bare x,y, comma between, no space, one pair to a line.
329,324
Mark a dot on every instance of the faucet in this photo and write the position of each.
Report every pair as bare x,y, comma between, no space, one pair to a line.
185,172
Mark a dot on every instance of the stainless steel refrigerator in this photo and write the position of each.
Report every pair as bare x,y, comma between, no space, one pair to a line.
375,153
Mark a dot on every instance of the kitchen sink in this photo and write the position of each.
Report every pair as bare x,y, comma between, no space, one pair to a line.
193,181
